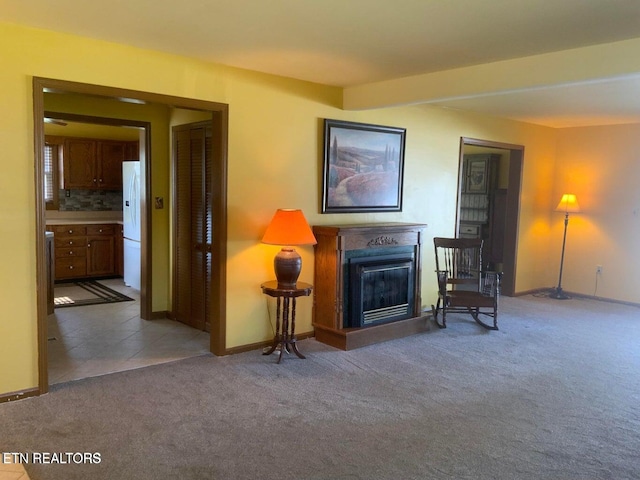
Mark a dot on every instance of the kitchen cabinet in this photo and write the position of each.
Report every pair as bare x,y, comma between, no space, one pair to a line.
95,164
84,250
70,251
469,231
100,250
79,163
110,157
132,151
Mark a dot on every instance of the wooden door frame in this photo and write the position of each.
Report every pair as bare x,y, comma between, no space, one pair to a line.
220,132
516,158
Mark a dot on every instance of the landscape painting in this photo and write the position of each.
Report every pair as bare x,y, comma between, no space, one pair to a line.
363,167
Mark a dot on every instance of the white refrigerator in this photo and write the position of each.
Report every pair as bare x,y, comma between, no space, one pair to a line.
131,222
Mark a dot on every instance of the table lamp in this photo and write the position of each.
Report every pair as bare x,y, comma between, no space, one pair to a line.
568,204
288,227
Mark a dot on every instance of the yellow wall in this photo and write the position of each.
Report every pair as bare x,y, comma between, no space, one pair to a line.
600,166
275,145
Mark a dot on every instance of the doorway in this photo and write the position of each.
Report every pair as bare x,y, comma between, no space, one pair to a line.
217,291
488,203
74,137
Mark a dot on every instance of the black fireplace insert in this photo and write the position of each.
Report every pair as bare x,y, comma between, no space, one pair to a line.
380,289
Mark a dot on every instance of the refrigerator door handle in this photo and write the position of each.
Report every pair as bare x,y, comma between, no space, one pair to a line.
133,199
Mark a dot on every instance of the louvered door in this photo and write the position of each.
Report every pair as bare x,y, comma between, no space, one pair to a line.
194,225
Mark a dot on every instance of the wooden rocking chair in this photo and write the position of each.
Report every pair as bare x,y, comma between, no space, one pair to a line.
463,287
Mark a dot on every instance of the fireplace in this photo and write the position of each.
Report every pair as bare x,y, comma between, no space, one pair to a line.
367,283
380,289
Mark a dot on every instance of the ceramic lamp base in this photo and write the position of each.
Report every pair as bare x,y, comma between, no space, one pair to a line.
287,265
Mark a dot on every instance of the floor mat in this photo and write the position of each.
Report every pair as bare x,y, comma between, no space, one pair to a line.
88,292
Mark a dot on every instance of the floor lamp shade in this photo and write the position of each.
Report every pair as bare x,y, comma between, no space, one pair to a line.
288,227
568,204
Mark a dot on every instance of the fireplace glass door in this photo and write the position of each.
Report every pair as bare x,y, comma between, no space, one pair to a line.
381,289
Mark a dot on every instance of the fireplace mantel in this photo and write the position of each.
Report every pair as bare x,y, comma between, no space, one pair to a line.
339,248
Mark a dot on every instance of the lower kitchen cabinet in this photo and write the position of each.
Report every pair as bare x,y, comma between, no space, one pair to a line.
101,250
70,251
84,250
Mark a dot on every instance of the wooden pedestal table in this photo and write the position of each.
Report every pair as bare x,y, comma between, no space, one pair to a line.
285,337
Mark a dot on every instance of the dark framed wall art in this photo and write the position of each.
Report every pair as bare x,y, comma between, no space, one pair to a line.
363,167
475,176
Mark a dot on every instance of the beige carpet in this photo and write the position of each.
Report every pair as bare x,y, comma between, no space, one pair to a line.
554,394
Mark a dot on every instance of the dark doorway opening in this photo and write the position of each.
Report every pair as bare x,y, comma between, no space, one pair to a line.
488,204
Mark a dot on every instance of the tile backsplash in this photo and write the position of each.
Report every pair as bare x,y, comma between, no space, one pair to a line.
90,200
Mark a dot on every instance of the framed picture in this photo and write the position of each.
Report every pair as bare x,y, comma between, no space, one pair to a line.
363,167
476,175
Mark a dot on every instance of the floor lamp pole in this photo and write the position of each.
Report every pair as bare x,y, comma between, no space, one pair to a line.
558,294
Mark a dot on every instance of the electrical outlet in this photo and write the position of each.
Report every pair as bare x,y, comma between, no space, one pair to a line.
598,269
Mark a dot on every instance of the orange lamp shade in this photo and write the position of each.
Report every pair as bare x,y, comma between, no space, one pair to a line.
568,204
289,227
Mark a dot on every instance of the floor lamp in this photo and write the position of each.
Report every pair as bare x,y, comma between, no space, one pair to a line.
568,204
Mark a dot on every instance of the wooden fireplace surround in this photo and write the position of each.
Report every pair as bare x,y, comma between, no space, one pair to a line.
331,258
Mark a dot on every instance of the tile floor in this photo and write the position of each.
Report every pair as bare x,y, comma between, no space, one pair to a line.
92,340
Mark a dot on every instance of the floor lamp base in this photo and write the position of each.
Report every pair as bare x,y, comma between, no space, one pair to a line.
558,294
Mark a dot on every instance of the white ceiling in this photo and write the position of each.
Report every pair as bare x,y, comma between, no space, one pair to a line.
354,42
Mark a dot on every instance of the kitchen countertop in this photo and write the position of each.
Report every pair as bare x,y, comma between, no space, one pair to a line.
54,217
82,222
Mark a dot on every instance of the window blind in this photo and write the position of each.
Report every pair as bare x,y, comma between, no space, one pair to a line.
49,166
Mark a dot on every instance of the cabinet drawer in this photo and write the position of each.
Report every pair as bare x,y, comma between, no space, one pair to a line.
71,252
70,242
69,230
101,229
71,267
470,229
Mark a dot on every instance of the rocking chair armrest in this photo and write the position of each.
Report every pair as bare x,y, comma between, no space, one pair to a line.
443,277
490,283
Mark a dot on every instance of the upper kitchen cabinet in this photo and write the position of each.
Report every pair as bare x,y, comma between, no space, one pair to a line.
110,157
95,164
79,163
132,151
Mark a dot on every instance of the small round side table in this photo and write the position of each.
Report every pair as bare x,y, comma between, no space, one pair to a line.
286,306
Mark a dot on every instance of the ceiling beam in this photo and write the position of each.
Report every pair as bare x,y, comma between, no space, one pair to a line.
576,66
